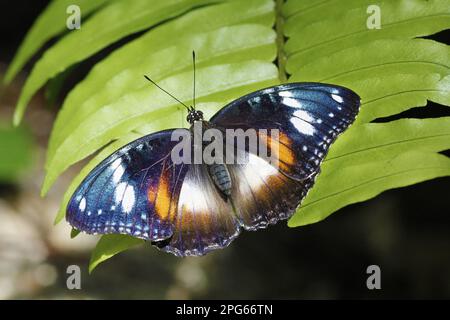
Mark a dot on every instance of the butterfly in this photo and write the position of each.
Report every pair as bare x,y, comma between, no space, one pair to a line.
190,209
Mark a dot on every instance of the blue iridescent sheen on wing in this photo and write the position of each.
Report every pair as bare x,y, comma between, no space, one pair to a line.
116,196
308,115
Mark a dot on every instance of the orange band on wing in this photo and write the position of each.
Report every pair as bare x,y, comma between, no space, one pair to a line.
160,196
286,157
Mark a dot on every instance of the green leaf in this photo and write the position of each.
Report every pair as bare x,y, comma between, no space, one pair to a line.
16,152
360,182
307,12
94,36
215,47
392,73
110,245
354,172
160,56
385,140
400,19
74,232
49,24
351,165
376,58
55,85
390,94
393,94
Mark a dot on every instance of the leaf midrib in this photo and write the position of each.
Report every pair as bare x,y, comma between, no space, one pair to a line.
365,30
306,9
380,65
386,145
401,92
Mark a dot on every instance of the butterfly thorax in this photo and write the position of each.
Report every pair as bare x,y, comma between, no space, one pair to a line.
217,171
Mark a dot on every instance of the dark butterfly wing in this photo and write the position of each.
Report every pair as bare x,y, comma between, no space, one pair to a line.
138,191
309,117
134,191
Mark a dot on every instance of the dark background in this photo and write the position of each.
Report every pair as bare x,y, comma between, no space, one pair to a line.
404,231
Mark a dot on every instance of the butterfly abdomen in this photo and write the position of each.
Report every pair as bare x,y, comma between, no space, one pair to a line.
221,177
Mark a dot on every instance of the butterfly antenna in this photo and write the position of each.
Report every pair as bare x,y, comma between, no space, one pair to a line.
175,98
193,63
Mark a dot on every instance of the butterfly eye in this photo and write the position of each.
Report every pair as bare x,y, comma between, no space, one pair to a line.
190,118
194,115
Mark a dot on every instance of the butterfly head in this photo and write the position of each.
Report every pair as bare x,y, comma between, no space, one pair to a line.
194,115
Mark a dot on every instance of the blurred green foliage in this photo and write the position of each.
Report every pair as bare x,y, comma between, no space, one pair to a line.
15,152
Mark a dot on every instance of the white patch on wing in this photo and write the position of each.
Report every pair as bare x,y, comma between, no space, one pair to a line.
119,192
264,168
199,195
119,169
256,177
337,98
129,198
286,93
303,126
82,205
291,102
303,121
191,197
304,115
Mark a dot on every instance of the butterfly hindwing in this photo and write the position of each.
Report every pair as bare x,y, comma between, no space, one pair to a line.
205,219
262,195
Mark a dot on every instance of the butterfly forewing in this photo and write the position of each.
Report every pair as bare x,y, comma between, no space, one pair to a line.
309,117
134,191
